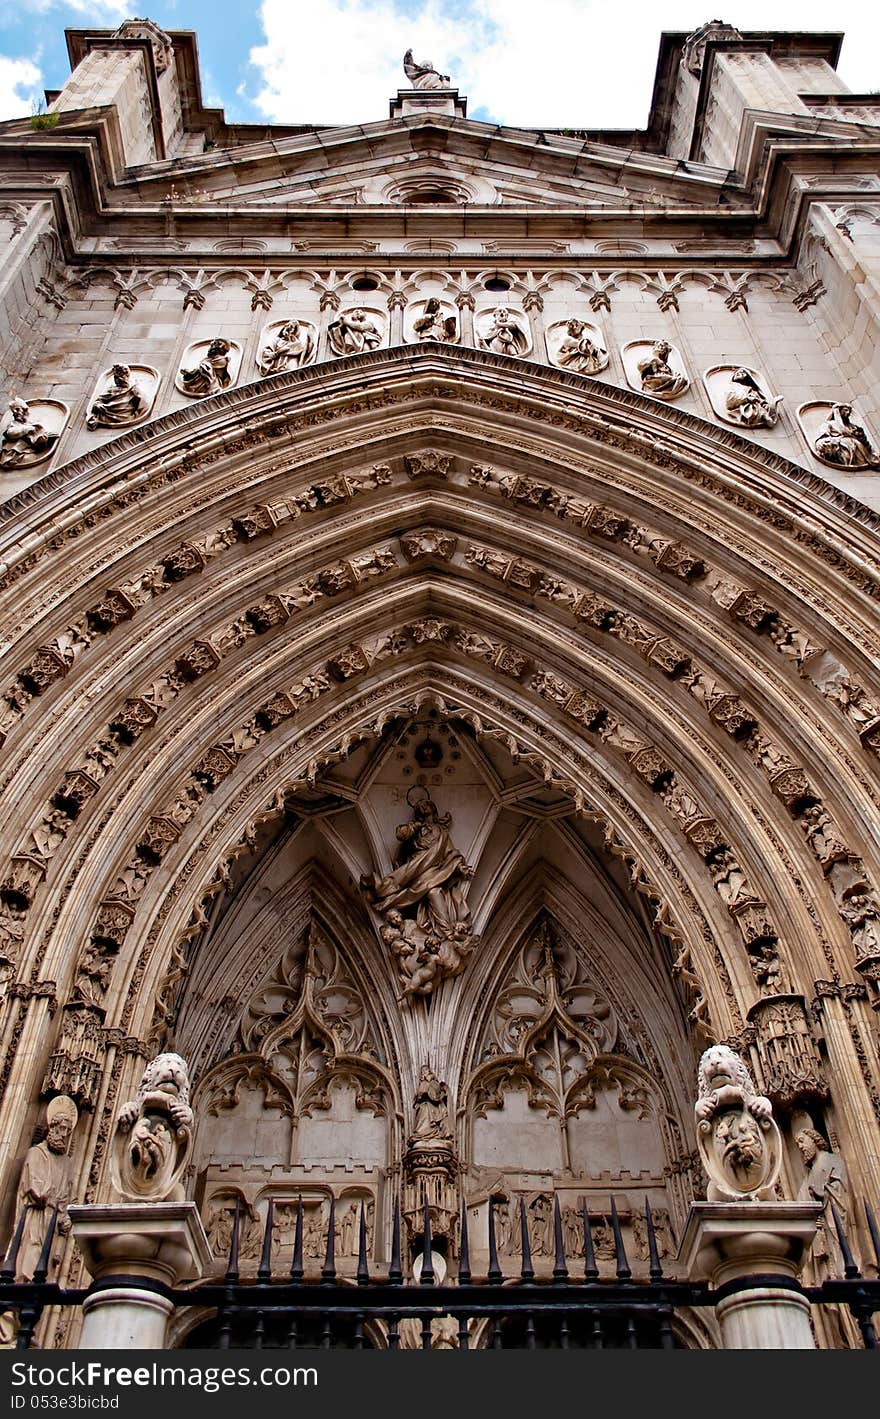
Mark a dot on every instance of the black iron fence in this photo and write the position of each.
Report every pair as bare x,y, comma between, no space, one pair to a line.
569,1309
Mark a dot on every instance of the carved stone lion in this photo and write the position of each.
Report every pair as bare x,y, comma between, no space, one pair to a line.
154,1134
738,1141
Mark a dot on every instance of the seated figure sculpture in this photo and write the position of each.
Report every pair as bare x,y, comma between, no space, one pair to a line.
212,373
505,336
120,403
747,404
22,439
292,347
843,441
433,325
354,332
579,352
657,375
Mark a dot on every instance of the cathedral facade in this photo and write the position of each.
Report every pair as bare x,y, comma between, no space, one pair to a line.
440,697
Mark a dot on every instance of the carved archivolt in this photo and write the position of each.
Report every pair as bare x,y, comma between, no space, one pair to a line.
813,621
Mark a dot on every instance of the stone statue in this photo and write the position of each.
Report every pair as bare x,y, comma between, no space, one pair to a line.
153,1135
578,351
826,1182
430,1109
22,439
423,76
119,404
354,332
434,325
657,375
843,442
291,347
737,1138
349,1232
45,1183
542,1226
426,918
505,335
748,405
211,374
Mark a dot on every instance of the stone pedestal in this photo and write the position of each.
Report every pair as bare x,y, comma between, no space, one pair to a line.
135,1252
752,1253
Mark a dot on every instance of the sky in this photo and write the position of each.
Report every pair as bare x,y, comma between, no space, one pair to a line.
558,63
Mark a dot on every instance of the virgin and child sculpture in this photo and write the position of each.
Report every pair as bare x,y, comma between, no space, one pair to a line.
426,922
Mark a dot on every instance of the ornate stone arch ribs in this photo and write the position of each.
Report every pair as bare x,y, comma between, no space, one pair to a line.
467,634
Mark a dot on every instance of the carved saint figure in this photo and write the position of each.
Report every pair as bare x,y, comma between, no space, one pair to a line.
45,1183
657,375
430,1109
738,1141
353,332
292,346
348,1231
747,404
120,403
542,1226
22,439
505,335
423,76
841,440
578,351
503,1227
427,923
432,324
212,373
826,1182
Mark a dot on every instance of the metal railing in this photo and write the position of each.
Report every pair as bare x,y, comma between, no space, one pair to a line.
566,1310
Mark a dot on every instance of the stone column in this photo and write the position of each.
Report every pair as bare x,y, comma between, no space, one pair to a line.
135,1252
752,1254
465,302
533,305
396,306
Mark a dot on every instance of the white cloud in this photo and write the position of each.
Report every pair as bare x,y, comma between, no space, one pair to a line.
20,87
564,63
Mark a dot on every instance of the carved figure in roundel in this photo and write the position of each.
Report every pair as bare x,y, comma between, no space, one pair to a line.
843,442
747,404
426,919
578,350
738,1141
657,374
435,324
23,439
153,1135
120,401
504,334
353,332
211,374
292,345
